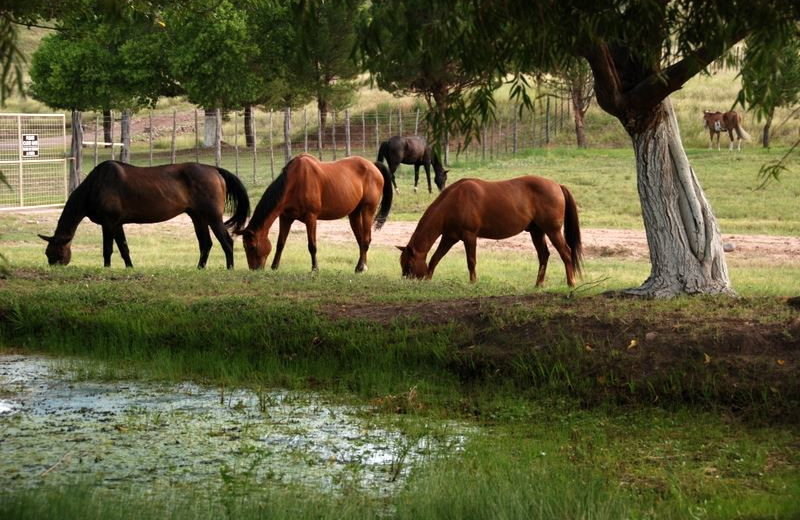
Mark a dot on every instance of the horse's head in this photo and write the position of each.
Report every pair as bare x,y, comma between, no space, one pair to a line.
59,250
412,263
441,179
256,248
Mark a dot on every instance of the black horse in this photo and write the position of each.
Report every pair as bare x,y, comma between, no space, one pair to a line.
416,151
115,193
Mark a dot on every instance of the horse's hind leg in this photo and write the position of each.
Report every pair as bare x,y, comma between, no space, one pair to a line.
283,232
225,240
361,224
730,136
393,165
563,249
311,231
470,246
427,165
203,240
542,252
122,245
108,245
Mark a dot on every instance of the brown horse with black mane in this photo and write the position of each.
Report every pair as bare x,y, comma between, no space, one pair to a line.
473,208
309,190
730,122
115,193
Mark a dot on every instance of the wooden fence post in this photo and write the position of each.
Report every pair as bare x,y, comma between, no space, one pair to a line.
399,121
305,130
150,138
515,136
333,133
287,134
483,143
547,123
271,150
236,142
196,138
347,132
319,134
255,141
96,137
174,131
416,123
363,133
125,136
377,134
76,149
217,136
111,134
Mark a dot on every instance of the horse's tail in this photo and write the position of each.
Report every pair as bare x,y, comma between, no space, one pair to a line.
388,194
237,199
572,229
740,130
382,151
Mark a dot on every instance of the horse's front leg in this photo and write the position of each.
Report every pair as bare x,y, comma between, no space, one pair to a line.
108,245
416,176
444,246
122,245
428,175
283,231
311,230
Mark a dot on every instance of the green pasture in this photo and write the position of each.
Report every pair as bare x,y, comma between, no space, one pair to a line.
564,425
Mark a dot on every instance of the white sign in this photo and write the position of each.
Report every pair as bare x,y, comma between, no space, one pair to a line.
30,145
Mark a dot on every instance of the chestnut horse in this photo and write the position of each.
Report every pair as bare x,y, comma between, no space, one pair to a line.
730,122
309,190
412,150
115,193
473,208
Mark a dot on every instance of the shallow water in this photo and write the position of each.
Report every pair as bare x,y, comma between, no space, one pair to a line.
56,429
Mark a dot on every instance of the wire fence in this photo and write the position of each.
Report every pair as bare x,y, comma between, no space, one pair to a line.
256,144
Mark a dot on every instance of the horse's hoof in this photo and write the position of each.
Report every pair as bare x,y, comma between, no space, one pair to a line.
361,268
415,189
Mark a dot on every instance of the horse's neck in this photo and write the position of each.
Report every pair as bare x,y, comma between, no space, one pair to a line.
74,211
428,230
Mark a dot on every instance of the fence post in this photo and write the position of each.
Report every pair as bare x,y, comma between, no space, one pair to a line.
547,123
533,124
217,136
76,150
347,132
416,123
501,137
287,133
255,141
319,134
174,130
196,138
483,142
377,133
399,121
125,136
515,142
96,137
333,132
363,134
150,138
271,150
111,134
390,122
236,141
305,130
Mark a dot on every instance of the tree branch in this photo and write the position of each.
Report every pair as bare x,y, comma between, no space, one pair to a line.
607,83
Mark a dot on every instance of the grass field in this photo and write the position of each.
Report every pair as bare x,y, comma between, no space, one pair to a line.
572,418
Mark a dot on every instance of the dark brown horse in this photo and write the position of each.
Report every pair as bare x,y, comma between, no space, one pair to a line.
472,209
115,193
730,122
308,190
416,151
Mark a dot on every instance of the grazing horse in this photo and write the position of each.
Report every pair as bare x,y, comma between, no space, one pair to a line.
308,190
473,208
416,151
717,122
115,193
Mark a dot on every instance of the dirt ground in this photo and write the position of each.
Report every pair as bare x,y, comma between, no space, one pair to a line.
619,243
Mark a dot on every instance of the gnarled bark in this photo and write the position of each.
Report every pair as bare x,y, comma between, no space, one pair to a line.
686,253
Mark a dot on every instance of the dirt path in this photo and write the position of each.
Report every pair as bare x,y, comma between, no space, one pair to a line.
620,243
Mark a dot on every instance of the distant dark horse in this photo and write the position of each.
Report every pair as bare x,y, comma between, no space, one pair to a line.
309,190
116,193
473,208
730,122
416,151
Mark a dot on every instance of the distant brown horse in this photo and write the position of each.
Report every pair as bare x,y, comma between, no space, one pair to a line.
413,150
730,122
308,190
115,193
472,209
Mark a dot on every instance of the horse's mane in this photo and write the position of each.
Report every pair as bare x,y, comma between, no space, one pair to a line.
270,199
77,204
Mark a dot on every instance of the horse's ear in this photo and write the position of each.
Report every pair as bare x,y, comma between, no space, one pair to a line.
45,238
401,248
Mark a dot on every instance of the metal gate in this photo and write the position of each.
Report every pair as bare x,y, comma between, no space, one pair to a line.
33,159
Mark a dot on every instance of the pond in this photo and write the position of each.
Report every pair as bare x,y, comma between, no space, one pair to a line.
58,429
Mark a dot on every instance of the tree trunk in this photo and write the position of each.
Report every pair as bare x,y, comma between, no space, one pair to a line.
76,148
765,133
107,122
248,126
324,107
578,113
210,128
125,136
686,253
